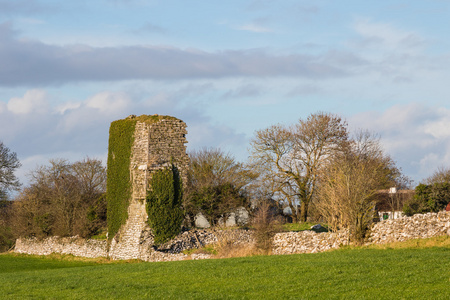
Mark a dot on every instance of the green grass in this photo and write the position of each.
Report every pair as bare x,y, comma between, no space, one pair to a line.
422,273
302,226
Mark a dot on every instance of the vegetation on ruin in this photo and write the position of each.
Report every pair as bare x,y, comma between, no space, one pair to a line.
164,201
118,188
354,273
121,138
150,119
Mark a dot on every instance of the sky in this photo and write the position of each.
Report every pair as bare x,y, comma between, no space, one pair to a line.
226,68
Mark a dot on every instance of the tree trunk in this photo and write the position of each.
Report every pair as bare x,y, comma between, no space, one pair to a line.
303,211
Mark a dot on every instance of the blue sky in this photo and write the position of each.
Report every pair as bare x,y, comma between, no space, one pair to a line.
227,68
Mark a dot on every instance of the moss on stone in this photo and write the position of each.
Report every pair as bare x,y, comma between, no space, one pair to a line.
151,119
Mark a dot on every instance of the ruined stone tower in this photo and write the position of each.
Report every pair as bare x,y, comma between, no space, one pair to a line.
145,144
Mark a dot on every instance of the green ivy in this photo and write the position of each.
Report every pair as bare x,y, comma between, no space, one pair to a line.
165,215
118,185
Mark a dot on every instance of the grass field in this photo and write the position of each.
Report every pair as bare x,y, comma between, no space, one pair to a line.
413,272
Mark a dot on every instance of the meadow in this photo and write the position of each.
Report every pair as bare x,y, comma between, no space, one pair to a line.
413,270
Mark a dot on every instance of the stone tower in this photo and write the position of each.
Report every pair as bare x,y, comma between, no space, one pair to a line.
158,141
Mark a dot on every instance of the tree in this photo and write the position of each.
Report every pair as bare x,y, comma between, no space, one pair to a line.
216,184
432,195
441,175
290,158
6,233
428,198
63,199
349,182
9,163
164,200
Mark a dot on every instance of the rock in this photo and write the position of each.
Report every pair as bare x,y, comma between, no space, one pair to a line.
318,227
242,216
201,221
231,220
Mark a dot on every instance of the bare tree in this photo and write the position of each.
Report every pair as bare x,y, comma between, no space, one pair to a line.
8,165
63,199
291,157
349,183
440,176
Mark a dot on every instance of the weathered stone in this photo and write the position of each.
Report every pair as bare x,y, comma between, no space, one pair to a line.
417,226
231,220
201,221
242,216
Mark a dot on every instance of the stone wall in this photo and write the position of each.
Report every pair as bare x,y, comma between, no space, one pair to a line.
417,226
396,230
308,241
170,251
68,245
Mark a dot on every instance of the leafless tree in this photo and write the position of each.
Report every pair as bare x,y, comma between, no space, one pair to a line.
8,165
440,176
349,183
290,158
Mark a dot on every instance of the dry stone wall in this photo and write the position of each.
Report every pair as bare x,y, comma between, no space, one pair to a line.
417,226
308,241
396,230
67,245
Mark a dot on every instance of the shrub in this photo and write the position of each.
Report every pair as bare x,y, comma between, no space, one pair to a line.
428,198
266,225
164,200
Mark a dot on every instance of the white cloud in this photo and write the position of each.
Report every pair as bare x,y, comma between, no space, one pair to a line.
439,128
33,101
108,102
415,135
387,36
66,106
77,129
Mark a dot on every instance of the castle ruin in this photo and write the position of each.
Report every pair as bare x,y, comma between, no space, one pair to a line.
158,142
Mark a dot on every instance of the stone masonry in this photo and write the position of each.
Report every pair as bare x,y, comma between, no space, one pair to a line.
156,145
417,226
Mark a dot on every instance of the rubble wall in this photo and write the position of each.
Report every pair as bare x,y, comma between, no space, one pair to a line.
418,226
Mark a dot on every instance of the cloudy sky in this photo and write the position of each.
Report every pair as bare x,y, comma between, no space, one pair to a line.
227,68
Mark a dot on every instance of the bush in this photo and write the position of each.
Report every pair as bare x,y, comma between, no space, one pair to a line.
164,200
266,225
63,199
428,198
